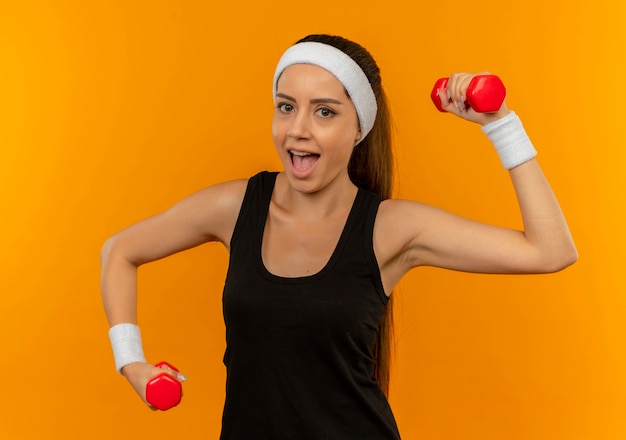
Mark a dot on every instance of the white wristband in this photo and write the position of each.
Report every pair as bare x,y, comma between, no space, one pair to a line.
511,141
126,344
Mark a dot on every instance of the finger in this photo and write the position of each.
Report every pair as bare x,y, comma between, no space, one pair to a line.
457,87
446,103
448,106
174,373
453,88
444,98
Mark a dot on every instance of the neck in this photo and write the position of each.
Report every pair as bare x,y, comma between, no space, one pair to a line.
334,199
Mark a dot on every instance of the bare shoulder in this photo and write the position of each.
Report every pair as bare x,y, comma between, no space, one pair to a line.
224,196
214,210
397,227
399,224
396,215
406,229
207,215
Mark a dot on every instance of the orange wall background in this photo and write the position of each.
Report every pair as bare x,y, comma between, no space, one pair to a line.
110,111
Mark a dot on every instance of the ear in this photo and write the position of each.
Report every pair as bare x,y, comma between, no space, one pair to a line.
358,136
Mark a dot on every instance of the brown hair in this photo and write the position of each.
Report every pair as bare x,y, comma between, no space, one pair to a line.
371,168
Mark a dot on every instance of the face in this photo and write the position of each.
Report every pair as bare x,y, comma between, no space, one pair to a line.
315,127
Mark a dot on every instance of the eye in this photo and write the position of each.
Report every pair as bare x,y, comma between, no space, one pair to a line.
325,112
285,107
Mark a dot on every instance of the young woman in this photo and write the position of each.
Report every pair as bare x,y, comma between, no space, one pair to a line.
316,250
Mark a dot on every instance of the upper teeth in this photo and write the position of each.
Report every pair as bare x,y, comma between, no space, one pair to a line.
300,153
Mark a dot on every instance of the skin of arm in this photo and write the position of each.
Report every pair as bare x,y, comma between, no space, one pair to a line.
208,215
410,234
407,234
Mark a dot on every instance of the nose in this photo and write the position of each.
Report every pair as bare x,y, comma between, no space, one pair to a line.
299,126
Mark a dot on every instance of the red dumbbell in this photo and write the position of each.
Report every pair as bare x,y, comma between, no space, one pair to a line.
485,93
163,391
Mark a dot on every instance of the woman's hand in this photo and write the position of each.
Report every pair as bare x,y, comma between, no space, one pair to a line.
453,100
139,374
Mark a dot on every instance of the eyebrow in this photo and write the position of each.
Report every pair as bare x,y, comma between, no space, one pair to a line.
312,101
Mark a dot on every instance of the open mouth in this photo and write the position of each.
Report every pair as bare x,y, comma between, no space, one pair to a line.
302,161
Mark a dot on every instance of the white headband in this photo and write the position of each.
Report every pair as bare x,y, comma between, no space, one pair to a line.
344,68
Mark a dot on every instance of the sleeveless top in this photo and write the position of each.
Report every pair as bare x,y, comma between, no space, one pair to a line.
299,354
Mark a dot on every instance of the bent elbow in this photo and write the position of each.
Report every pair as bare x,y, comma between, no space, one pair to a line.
107,249
570,258
114,249
561,260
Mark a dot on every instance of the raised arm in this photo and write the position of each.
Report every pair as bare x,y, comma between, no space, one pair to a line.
411,234
208,215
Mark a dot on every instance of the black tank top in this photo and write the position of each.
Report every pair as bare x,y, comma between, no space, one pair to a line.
299,355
